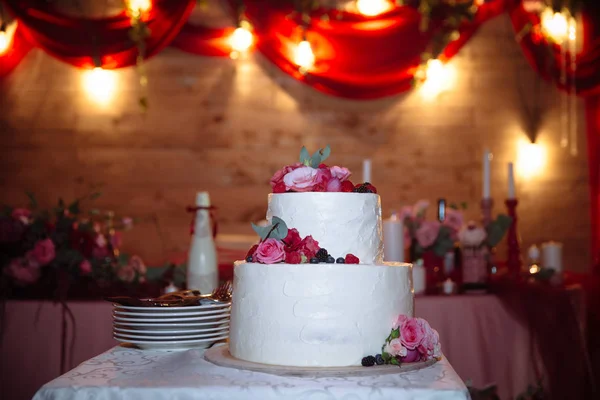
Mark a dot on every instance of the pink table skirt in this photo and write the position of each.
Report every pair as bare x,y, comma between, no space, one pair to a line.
480,339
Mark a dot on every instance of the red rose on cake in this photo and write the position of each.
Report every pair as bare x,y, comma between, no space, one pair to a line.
269,251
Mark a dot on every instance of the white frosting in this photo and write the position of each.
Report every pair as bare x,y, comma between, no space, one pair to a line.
342,223
316,314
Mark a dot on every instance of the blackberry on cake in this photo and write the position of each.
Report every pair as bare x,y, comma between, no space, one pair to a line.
322,255
368,361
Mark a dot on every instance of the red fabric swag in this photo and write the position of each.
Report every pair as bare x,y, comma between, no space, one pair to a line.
77,41
17,50
204,41
356,57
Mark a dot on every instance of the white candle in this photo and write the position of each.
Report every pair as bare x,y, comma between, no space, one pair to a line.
418,272
552,256
367,170
486,174
393,239
448,286
511,181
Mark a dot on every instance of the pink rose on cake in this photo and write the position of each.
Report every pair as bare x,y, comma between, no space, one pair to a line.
301,179
340,173
277,178
412,333
322,179
395,348
427,233
270,251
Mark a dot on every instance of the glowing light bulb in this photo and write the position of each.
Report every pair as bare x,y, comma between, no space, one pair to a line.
4,42
100,84
371,8
241,39
139,5
304,56
530,158
555,25
439,77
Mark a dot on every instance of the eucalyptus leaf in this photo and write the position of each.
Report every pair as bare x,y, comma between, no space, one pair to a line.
261,231
315,160
279,230
304,156
325,153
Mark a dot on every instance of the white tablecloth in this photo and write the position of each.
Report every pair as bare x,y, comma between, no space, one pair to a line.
127,374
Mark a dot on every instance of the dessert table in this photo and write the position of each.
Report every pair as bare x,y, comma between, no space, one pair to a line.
125,373
480,337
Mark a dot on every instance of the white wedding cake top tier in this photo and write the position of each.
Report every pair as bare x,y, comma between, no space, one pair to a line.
316,314
342,223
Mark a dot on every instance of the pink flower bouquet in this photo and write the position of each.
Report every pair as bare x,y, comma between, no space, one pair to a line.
411,340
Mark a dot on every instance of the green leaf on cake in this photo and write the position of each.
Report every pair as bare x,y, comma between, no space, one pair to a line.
279,230
261,231
394,361
276,230
320,156
304,156
395,334
386,356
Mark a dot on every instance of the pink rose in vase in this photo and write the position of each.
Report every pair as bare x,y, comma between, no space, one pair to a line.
340,173
85,267
138,265
411,333
43,252
22,214
454,220
419,209
269,251
24,271
427,233
126,273
301,179
395,348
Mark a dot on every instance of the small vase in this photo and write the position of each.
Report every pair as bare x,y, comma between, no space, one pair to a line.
474,265
434,274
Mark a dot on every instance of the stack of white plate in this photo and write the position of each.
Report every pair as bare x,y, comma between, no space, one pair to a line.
172,327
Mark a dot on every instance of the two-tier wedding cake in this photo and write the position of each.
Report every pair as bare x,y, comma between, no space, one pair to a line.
315,291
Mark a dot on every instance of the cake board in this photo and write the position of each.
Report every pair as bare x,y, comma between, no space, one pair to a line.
220,355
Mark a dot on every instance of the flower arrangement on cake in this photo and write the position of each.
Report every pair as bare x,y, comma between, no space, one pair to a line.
310,174
410,340
278,244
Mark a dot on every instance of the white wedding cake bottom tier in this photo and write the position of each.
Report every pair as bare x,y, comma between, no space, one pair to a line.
316,315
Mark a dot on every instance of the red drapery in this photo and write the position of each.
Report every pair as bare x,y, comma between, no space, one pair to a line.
78,41
17,49
545,59
356,57
204,41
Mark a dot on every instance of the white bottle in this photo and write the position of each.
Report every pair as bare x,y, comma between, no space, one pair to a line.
202,272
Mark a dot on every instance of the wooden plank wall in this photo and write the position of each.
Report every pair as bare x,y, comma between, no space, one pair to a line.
225,126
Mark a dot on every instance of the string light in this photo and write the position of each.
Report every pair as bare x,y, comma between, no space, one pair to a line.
140,6
304,56
371,8
6,36
438,77
555,25
241,39
100,84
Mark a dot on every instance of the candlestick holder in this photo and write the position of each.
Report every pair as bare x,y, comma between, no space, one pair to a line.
514,261
486,211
